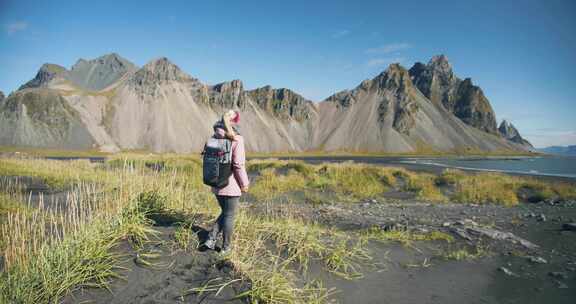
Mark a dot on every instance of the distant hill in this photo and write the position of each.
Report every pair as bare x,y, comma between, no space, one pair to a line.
559,150
111,104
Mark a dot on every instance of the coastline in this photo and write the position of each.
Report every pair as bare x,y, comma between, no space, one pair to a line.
411,163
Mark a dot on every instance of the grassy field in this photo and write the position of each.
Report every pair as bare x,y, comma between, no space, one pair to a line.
355,182
48,253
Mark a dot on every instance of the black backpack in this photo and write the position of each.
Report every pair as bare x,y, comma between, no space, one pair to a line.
217,162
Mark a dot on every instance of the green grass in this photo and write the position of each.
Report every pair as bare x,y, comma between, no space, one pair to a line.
356,182
120,202
8,204
83,258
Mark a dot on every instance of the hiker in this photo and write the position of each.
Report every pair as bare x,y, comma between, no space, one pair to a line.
224,169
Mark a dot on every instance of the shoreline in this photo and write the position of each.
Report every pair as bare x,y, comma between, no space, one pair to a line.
434,168
408,162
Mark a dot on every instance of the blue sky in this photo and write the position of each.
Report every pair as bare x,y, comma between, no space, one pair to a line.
522,53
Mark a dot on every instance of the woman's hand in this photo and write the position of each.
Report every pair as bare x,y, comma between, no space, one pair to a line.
244,189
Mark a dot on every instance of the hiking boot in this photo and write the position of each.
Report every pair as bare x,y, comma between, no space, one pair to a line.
210,243
225,251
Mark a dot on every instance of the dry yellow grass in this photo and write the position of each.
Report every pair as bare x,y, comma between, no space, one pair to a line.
105,209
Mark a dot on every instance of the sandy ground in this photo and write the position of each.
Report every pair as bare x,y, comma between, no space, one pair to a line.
171,279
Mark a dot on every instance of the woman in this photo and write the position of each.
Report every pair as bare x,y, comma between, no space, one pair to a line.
238,182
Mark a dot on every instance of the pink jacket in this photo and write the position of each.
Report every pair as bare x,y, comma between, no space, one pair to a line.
239,178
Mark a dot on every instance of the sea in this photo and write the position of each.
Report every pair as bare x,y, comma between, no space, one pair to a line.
553,166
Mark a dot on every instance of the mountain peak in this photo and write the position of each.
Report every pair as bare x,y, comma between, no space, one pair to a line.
395,77
439,59
508,131
440,64
283,103
52,68
46,73
159,70
235,85
98,73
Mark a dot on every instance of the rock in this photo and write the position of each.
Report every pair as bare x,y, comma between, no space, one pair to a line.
541,217
461,233
537,260
507,271
446,224
569,227
373,201
558,275
561,285
471,229
466,222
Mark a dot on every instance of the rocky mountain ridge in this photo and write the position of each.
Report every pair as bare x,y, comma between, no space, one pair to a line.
159,107
508,131
437,82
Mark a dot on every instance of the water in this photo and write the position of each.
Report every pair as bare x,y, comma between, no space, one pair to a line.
558,166
549,166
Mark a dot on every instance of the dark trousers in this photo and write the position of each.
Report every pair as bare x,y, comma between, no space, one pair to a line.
225,222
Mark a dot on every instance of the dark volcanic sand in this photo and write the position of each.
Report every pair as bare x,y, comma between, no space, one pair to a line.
168,281
398,279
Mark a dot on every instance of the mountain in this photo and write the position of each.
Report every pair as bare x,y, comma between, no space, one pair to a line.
111,104
92,75
560,150
101,72
41,118
389,113
49,74
508,131
437,82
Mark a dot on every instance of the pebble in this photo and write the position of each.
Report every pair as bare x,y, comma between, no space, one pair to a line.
569,227
541,217
507,271
537,260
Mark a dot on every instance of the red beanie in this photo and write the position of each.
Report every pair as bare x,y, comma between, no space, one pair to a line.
236,118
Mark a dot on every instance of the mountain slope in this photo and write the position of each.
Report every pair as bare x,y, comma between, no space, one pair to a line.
41,118
163,109
111,104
